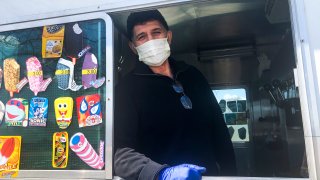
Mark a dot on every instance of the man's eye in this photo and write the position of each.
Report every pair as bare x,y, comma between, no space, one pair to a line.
140,38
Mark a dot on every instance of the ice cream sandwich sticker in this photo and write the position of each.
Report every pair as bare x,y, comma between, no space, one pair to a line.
52,41
10,147
63,107
89,110
60,150
38,111
17,112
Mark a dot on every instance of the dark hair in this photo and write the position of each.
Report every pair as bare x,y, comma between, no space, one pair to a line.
142,17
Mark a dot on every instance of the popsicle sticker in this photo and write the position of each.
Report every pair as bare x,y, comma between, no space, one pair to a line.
65,75
38,111
80,145
63,107
10,147
60,150
35,76
17,112
89,72
89,110
11,76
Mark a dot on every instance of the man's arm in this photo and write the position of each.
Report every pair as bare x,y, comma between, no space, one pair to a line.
128,163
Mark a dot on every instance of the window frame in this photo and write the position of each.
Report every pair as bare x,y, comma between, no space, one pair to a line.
81,174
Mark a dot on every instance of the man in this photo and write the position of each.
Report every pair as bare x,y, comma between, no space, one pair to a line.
168,124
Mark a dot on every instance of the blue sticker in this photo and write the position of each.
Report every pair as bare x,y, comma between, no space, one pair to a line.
38,112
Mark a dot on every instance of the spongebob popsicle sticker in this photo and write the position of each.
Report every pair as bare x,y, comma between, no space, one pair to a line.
63,107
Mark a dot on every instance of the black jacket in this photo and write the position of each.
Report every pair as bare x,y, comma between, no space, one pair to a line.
153,129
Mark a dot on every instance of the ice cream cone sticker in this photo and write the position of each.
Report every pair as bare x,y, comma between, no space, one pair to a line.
9,155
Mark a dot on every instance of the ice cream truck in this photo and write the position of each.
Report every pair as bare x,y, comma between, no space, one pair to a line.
61,60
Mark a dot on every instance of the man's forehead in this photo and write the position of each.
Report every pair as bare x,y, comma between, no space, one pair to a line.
148,25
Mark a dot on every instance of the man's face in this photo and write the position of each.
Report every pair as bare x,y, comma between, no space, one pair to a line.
150,30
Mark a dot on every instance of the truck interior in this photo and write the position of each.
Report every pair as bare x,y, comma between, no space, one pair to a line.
245,50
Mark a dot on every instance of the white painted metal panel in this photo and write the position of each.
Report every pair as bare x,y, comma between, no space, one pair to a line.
305,22
13,11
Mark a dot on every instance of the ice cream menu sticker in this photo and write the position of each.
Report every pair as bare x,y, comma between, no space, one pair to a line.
10,147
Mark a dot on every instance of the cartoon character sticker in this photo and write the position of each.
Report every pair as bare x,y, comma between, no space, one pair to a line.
38,111
89,110
63,109
17,112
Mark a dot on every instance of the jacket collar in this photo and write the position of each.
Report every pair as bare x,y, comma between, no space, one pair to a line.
176,68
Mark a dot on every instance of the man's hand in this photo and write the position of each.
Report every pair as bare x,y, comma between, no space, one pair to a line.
182,172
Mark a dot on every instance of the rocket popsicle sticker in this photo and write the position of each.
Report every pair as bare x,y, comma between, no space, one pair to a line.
63,107
10,147
6,151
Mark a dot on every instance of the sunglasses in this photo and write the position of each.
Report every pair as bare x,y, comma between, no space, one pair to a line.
185,100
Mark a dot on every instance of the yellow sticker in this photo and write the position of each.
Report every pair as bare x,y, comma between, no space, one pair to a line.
89,71
60,149
35,73
10,147
62,72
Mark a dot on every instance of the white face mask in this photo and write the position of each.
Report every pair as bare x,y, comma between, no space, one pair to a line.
154,52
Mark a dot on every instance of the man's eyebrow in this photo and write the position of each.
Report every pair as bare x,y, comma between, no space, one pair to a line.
157,29
140,34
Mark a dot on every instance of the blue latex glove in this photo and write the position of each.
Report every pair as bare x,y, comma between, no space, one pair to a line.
182,172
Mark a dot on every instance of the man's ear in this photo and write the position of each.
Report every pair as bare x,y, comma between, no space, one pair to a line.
132,47
169,36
